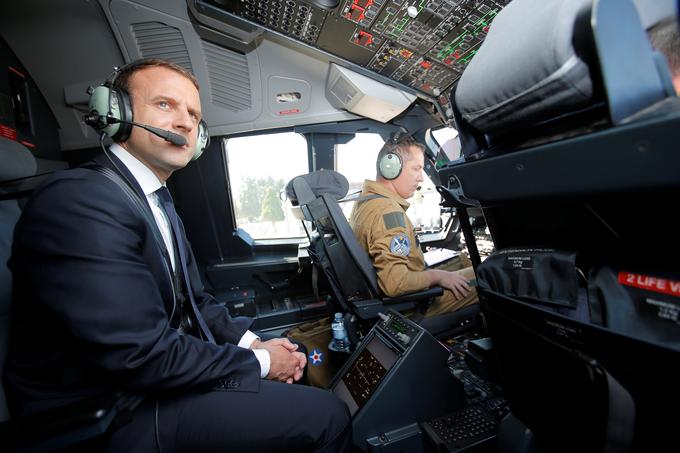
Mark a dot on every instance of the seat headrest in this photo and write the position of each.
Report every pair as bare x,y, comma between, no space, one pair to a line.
17,160
654,11
319,182
527,65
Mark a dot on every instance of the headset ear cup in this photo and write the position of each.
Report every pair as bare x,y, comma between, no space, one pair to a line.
99,105
203,140
390,166
121,102
106,101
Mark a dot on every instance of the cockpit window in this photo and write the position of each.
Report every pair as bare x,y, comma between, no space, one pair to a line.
447,146
259,167
355,160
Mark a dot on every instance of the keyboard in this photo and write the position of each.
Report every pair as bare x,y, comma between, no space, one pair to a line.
458,431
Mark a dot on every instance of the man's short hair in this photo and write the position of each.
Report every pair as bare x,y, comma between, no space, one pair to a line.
122,80
400,146
664,37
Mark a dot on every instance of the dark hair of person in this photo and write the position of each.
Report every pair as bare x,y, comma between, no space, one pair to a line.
122,80
664,37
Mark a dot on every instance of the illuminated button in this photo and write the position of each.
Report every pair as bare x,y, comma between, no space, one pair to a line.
385,318
403,338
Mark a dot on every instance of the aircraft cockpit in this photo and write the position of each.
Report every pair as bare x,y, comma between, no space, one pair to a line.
549,173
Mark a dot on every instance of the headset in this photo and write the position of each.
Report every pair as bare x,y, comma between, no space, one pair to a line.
391,164
111,114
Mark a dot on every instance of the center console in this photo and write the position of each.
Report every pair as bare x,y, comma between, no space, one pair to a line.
398,376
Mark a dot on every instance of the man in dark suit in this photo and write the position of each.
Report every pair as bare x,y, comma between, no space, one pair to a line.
101,305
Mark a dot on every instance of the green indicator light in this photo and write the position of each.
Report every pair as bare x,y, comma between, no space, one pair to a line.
398,327
481,23
385,19
490,13
466,59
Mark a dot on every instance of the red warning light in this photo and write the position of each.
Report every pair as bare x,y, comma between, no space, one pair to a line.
363,3
363,38
356,13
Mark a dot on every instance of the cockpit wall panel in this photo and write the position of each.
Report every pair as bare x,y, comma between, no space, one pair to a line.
268,87
64,47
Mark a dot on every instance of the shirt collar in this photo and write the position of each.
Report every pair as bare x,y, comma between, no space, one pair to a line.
374,187
146,179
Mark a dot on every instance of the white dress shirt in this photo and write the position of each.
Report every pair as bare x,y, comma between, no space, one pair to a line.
150,183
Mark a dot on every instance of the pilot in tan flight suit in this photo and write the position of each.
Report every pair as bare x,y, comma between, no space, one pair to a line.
386,233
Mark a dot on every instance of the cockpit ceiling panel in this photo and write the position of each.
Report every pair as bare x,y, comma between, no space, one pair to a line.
424,44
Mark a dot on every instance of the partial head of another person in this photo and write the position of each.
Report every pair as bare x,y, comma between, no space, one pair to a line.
665,38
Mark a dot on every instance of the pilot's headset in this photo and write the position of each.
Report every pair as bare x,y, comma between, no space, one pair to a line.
111,111
391,164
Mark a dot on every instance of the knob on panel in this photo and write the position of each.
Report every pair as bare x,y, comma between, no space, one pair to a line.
324,4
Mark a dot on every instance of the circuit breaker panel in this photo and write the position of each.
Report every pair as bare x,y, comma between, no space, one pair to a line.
423,44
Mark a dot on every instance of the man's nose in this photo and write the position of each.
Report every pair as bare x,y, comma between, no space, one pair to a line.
420,177
184,120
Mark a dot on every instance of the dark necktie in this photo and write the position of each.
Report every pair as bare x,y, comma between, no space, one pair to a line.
166,201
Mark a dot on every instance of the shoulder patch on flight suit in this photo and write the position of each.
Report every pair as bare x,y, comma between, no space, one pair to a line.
394,220
400,245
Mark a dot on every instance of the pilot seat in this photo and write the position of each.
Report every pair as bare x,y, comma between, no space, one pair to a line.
335,251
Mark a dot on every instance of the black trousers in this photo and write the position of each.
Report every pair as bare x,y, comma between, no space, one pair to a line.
278,418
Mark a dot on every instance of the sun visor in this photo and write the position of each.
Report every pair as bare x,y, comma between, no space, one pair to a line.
363,96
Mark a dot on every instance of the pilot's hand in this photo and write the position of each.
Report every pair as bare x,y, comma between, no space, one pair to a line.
302,362
285,342
286,364
455,283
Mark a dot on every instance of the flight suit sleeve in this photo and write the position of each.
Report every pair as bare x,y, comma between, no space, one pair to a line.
391,247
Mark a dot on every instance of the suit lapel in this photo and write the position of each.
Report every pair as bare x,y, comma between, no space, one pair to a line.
117,165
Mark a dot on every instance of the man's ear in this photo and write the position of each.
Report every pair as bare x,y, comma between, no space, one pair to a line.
676,83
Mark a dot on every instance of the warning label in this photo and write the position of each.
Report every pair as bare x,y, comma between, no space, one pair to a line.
519,262
8,132
650,283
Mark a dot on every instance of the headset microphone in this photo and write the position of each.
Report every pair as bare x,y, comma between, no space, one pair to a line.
93,120
171,137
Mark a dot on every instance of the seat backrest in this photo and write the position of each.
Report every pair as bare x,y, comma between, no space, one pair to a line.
17,162
333,245
567,65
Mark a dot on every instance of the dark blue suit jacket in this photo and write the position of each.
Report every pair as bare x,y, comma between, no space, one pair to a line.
92,295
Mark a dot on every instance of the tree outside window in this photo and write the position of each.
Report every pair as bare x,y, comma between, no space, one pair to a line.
259,167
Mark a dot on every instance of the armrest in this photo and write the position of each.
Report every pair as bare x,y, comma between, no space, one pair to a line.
369,308
414,296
